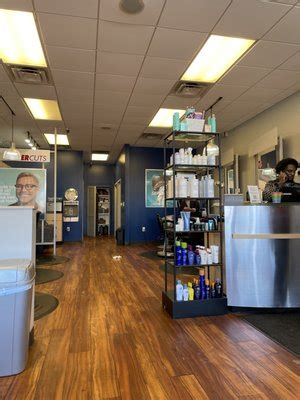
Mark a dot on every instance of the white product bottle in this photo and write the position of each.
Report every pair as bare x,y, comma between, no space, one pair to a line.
209,257
182,187
177,158
179,291
211,160
202,187
215,253
185,293
203,255
193,187
181,156
170,188
210,187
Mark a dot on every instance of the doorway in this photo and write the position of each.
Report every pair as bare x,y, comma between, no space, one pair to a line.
117,204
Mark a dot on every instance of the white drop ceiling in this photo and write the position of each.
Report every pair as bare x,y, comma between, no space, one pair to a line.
112,69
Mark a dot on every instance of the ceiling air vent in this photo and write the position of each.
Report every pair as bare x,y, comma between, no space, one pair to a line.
151,136
190,89
31,75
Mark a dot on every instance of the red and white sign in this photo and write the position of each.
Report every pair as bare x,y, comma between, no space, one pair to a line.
28,155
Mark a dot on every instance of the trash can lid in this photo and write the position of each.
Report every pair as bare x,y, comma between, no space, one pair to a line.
16,271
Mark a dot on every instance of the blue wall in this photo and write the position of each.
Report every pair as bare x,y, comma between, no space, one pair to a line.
99,175
141,158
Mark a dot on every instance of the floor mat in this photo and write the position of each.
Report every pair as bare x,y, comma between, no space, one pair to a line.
47,275
51,260
44,304
282,327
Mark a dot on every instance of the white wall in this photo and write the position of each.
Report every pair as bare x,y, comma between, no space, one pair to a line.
285,116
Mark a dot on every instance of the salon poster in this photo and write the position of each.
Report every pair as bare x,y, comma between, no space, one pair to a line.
23,187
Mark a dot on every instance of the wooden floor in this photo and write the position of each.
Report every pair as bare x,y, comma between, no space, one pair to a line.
110,339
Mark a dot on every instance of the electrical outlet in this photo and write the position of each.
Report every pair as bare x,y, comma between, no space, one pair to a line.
143,229
68,229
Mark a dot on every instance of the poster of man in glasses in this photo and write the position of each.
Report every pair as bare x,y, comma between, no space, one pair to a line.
25,187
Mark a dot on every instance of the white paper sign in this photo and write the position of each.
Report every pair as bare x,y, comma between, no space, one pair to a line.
28,155
254,194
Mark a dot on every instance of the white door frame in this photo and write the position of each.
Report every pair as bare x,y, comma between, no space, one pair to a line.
117,204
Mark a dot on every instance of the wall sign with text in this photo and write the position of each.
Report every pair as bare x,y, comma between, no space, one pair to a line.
28,155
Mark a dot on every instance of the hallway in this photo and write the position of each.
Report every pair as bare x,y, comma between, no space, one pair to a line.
110,339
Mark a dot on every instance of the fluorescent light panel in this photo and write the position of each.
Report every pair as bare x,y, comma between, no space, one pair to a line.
62,140
164,117
44,109
99,156
217,55
20,43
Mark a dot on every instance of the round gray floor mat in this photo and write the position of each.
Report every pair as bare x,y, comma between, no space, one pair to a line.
44,304
51,260
47,275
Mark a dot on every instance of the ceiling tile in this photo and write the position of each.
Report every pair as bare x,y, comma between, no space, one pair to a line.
125,38
20,5
287,30
179,102
163,68
131,129
144,100
66,31
118,63
137,111
104,114
176,44
119,83
76,107
136,120
7,89
200,15
228,92
79,8
110,11
3,75
71,59
249,19
255,93
36,91
268,54
154,86
247,76
111,98
73,79
292,64
280,79
48,126
73,94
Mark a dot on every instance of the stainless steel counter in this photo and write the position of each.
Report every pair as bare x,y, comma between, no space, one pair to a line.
262,248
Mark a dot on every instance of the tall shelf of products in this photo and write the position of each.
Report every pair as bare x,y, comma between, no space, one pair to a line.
198,266
102,211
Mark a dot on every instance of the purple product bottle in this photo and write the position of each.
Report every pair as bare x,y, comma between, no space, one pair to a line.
184,253
191,255
202,284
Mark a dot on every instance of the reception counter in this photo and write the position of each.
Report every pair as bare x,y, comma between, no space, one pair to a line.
263,255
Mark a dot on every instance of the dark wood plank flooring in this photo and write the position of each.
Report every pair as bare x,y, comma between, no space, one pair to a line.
110,339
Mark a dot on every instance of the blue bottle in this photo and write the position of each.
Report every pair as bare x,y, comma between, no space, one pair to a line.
202,284
191,255
207,289
178,254
197,293
184,253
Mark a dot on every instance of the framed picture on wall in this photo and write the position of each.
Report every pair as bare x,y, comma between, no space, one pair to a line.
23,187
154,188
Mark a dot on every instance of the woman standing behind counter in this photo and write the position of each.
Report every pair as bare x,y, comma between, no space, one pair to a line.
286,170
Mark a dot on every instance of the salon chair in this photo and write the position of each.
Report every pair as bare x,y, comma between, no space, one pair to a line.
167,237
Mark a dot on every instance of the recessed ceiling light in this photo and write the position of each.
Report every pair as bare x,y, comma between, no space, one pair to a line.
217,55
61,140
44,109
164,117
20,43
99,156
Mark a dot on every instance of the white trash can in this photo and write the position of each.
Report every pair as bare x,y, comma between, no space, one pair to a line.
16,290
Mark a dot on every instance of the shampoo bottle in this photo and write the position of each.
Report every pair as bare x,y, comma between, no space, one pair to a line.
179,291
178,253
191,255
184,253
191,291
213,123
185,293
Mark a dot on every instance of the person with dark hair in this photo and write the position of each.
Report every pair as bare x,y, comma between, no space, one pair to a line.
285,170
27,188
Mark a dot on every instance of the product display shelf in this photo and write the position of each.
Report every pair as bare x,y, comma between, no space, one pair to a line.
103,218
201,307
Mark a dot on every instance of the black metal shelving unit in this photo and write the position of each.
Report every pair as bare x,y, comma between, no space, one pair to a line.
203,307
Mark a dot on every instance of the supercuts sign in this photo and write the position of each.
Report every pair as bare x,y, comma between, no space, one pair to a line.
27,155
